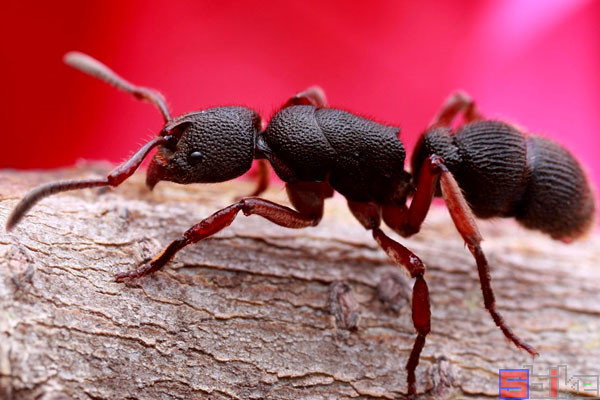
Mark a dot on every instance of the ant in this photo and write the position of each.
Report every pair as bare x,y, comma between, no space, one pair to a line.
481,168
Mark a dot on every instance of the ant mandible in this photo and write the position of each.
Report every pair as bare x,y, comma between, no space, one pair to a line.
482,168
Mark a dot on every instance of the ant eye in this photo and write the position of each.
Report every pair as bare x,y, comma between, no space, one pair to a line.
195,157
171,141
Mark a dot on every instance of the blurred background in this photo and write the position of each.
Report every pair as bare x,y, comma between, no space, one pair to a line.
532,62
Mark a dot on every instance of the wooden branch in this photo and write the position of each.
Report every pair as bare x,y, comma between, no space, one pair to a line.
245,315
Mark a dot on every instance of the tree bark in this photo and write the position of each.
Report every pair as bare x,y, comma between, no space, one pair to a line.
247,314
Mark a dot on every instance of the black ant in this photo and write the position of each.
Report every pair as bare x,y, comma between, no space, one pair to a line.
481,168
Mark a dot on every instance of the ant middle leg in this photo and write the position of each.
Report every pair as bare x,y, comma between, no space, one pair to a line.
307,197
312,96
458,102
369,215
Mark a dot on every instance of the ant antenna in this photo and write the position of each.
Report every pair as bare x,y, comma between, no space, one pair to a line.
114,178
95,68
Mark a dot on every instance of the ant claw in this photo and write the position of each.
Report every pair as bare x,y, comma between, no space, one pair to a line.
145,269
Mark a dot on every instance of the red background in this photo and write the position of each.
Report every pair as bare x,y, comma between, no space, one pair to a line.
533,62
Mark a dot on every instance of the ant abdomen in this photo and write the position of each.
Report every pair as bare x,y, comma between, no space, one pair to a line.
504,173
558,200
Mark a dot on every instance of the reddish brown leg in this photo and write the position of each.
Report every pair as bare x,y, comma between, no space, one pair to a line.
368,214
407,222
263,176
313,96
433,171
465,223
456,103
276,213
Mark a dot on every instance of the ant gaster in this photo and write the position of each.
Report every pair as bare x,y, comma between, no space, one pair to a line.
480,168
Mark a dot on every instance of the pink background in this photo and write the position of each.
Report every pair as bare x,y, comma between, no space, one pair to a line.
536,63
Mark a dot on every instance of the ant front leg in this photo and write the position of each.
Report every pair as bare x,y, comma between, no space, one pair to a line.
368,214
308,198
263,176
407,222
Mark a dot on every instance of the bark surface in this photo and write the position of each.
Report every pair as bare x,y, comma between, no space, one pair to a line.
251,313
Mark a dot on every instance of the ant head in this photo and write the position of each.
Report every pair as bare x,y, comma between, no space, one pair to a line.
213,145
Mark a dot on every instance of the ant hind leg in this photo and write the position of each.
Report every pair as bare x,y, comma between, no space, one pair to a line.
408,221
465,224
